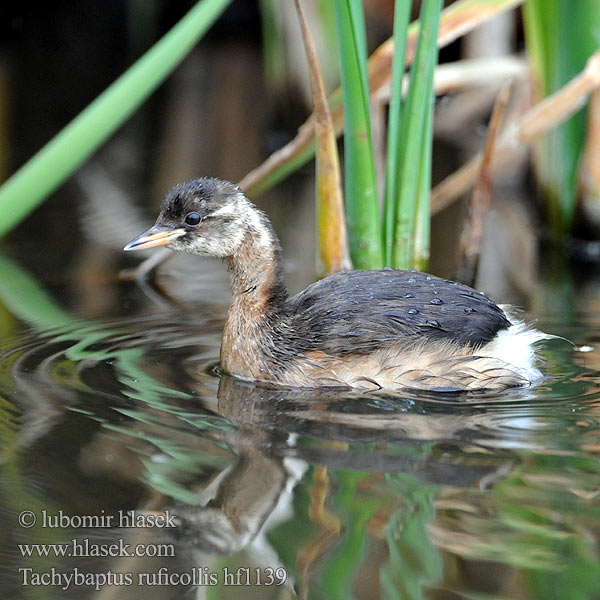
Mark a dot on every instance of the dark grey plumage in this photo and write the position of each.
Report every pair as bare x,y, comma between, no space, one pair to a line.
204,195
358,312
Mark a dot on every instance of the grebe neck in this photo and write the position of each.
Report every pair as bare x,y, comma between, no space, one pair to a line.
256,266
258,295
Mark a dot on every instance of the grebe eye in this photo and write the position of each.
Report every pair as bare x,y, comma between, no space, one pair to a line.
192,218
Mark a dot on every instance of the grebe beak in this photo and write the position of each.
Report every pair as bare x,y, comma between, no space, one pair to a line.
157,235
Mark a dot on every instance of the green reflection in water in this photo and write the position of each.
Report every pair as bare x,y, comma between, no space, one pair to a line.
542,506
414,561
355,509
23,296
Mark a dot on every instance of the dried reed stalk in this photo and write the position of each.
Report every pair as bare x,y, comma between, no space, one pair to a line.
545,115
470,241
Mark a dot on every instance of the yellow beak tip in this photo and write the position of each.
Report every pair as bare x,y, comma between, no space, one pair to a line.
154,237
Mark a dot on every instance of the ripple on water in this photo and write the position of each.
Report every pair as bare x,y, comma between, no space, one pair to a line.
175,356
130,414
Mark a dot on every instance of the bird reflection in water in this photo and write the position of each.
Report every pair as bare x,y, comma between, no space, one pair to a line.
282,436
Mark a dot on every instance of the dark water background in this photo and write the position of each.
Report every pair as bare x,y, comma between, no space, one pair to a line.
109,401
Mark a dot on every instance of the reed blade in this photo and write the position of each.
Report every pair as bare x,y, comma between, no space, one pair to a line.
402,10
45,171
421,238
560,36
457,19
412,154
362,207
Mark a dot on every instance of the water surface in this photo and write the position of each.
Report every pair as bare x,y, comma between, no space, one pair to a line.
269,493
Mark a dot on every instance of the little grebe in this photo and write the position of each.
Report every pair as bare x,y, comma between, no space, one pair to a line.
364,329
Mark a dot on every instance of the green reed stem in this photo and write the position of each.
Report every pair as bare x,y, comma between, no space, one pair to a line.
560,36
362,210
409,165
402,10
423,224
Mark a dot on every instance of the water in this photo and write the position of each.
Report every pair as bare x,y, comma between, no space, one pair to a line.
266,493
110,403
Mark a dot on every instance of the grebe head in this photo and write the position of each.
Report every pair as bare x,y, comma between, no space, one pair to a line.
203,216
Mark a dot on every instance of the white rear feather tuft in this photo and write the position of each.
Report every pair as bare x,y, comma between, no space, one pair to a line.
514,346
